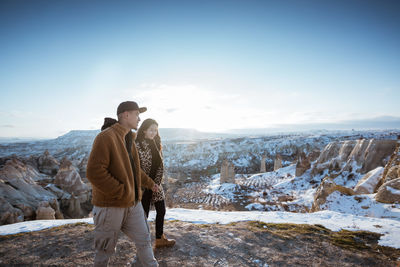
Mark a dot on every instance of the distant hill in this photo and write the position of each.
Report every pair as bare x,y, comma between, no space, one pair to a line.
167,134
175,134
7,140
379,123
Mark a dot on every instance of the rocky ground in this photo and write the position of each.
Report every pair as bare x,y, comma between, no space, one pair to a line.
237,244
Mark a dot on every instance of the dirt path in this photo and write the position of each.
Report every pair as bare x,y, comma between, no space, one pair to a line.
239,244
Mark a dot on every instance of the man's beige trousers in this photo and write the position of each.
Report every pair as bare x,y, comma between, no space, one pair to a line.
131,221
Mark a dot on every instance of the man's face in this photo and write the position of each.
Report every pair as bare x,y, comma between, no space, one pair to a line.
133,119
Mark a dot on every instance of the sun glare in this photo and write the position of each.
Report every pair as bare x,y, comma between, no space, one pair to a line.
185,107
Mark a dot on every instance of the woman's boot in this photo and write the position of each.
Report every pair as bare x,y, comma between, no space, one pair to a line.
164,242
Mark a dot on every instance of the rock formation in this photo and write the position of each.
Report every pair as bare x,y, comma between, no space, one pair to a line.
263,167
333,157
326,188
9,214
303,164
19,185
61,194
231,173
394,163
69,180
227,172
392,168
28,211
56,207
16,169
392,174
370,154
369,182
78,193
82,167
45,212
48,164
314,154
364,154
389,192
74,209
277,162
224,171
20,193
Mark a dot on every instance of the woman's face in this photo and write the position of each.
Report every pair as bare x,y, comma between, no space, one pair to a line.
151,132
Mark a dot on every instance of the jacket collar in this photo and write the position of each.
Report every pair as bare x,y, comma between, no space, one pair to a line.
121,130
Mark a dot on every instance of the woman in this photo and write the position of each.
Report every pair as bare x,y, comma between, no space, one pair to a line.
148,142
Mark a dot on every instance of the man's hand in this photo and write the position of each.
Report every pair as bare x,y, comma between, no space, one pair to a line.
155,188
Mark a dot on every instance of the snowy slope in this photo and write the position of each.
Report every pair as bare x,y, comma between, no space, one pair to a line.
281,190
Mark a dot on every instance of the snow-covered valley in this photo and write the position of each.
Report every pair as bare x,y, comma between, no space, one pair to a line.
299,173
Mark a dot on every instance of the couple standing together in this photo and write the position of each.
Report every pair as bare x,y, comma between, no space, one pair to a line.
119,166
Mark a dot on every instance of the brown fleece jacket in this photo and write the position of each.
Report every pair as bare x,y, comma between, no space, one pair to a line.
110,171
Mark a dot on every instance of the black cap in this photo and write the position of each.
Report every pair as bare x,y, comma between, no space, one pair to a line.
129,105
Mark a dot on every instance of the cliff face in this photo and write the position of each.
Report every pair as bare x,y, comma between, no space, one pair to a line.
392,168
20,194
27,194
364,155
371,153
389,190
326,188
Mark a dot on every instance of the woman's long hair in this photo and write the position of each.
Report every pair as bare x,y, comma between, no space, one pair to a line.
146,125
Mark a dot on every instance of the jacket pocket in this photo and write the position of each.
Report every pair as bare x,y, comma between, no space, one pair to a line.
99,216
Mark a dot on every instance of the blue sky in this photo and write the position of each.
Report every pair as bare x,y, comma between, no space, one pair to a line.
209,65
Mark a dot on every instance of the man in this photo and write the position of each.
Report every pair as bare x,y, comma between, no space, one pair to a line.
114,170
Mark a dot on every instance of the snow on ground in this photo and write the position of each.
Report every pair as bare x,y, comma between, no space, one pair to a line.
371,179
255,206
393,191
37,225
282,182
343,178
362,205
226,190
332,220
268,187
